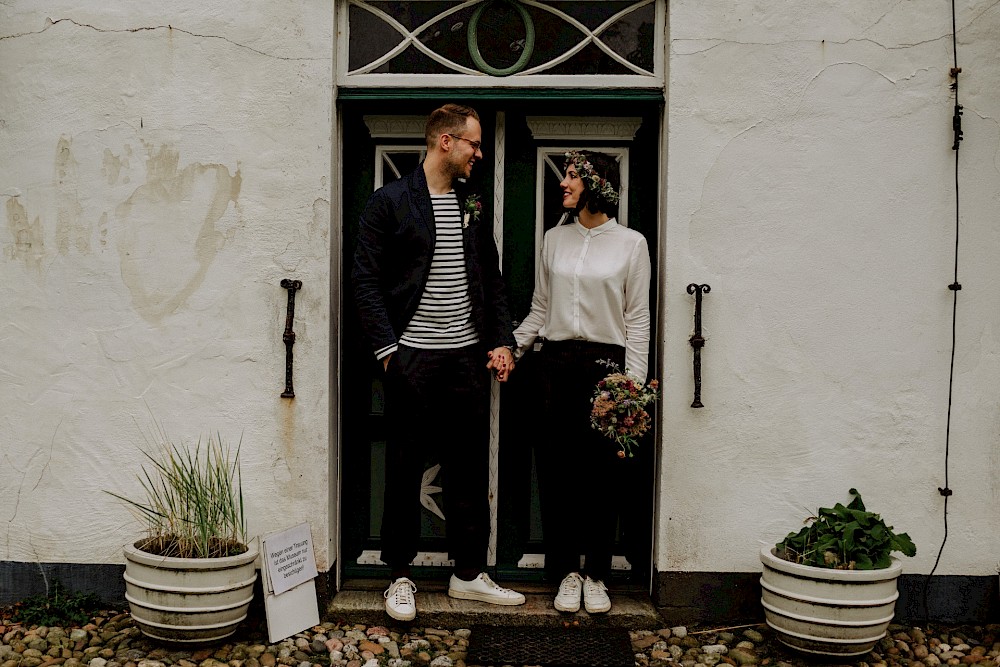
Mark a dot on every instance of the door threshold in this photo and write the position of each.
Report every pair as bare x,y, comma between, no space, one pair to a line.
436,609
362,602
439,584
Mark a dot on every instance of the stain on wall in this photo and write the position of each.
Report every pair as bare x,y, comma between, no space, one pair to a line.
29,240
168,231
111,165
70,230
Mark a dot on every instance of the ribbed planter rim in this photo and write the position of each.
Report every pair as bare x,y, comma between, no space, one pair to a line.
134,553
768,557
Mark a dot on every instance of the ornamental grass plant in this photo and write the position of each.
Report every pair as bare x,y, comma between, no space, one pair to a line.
845,538
193,506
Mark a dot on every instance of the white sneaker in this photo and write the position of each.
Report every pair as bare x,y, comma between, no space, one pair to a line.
484,589
399,601
570,590
595,596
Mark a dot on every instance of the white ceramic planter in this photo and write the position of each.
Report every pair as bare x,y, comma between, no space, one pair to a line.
828,612
189,599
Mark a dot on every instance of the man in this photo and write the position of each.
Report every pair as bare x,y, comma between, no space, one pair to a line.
434,309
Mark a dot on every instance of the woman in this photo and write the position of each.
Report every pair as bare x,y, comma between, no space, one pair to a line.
590,304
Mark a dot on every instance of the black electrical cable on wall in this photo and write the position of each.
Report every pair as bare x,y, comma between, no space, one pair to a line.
956,123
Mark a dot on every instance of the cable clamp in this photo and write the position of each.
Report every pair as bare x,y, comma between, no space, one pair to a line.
945,491
954,287
956,126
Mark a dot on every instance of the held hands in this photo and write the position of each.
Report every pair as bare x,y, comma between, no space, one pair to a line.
501,363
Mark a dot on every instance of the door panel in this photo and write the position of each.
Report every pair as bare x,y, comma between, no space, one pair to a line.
525,180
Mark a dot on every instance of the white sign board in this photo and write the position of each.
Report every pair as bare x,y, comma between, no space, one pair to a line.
289,558
291,612
289,590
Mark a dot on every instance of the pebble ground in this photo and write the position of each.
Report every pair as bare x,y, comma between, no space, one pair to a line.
111,639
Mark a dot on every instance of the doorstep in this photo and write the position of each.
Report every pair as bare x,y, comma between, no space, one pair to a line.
362,602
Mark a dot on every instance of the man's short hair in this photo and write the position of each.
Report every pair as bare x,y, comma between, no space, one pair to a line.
449,119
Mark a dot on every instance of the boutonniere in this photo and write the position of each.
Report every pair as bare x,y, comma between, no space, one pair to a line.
473,209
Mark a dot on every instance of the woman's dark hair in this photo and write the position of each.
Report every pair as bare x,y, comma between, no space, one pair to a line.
606,166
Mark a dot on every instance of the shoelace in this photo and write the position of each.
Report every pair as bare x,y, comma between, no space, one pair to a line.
570,586
492,584
594,586
402,591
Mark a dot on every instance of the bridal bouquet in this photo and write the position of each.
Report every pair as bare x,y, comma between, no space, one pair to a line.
619,410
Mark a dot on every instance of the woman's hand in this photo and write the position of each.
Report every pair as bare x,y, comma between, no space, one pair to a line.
501,362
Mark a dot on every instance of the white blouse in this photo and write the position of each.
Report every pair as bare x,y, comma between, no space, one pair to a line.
593,285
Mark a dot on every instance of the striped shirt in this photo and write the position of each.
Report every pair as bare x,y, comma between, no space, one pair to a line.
444,315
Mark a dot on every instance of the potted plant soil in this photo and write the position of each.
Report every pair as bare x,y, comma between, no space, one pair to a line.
830,588
190,579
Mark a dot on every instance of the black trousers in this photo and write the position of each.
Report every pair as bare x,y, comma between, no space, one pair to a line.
437,408
579,473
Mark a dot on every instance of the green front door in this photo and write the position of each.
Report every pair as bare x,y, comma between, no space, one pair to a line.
523,142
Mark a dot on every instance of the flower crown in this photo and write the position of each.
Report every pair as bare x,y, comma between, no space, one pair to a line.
591,179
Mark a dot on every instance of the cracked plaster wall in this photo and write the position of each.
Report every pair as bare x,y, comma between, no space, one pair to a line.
811,184
161,170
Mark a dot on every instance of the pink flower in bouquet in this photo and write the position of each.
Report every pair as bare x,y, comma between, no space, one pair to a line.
619,408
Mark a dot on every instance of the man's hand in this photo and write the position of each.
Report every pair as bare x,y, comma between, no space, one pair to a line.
501,363
385,361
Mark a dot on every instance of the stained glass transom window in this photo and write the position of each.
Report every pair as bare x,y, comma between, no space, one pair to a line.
497,39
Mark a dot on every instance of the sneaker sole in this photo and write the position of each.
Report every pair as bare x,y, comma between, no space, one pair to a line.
400,617
569,608
598,610
482,597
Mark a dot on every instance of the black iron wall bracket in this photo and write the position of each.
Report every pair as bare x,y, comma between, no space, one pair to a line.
289,335
696,340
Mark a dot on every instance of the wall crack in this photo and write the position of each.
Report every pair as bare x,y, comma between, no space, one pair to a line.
50,23
726,42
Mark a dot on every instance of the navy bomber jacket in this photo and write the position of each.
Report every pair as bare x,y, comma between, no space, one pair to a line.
393,260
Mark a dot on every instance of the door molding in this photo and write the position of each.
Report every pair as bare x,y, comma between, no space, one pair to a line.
395,127
604,128
556,133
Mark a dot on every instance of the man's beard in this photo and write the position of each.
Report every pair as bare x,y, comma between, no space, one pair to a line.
457,169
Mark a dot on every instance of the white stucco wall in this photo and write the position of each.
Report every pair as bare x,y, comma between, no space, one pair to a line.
811,184
162,168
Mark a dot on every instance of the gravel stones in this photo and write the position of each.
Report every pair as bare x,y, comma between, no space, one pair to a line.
112,640
757,645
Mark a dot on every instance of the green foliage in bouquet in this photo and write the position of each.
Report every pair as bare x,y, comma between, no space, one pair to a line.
845,538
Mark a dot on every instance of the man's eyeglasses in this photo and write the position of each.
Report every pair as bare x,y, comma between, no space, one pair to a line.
475,144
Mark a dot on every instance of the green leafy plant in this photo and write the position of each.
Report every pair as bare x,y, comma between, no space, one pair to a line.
194,500
845,538
57,607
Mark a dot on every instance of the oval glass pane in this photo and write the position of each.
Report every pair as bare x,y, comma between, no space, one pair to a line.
502,35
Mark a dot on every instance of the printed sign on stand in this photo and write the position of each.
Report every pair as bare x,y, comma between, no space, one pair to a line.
289,587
